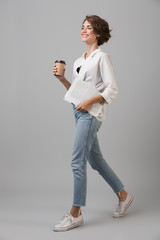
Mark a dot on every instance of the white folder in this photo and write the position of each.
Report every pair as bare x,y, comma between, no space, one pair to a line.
80,91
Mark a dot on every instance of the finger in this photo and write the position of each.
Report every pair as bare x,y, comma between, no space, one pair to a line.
54,69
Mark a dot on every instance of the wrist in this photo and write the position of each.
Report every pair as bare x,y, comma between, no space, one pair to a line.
62,79
96,99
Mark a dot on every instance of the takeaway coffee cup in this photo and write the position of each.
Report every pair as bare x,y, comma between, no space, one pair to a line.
60,64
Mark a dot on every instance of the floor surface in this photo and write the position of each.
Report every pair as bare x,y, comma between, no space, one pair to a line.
28,217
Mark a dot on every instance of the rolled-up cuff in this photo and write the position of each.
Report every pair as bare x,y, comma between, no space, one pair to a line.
108,100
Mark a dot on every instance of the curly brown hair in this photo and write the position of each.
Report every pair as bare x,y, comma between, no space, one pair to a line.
100,27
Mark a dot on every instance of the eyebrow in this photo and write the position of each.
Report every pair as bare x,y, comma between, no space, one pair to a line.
87,25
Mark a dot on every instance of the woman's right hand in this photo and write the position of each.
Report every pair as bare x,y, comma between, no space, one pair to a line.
62,78
55,71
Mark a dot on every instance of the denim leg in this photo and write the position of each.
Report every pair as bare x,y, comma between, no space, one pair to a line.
98,163
86,130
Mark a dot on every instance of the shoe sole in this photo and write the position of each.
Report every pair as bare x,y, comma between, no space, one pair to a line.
68,228
127,206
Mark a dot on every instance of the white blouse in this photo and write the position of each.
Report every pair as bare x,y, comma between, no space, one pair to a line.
97,68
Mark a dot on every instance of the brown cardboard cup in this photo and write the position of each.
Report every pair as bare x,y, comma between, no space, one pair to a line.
60,64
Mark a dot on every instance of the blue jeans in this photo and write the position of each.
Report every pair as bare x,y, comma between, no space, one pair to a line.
86,148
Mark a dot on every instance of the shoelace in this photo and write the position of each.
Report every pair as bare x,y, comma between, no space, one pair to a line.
119,206
65,219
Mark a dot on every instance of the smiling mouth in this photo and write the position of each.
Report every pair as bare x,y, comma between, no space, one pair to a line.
85,35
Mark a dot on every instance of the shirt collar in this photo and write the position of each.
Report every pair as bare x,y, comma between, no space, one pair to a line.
93,53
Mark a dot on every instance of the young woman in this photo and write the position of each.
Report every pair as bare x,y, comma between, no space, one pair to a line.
93,65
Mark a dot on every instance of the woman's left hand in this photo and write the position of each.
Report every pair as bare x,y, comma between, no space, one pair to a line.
84,106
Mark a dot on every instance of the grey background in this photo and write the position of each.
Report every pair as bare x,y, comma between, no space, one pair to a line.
37,126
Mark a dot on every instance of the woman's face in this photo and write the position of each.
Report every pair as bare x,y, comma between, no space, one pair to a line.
87,33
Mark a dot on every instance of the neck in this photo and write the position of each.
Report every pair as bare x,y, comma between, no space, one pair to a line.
90,49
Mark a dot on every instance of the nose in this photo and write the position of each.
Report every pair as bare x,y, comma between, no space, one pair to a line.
84,30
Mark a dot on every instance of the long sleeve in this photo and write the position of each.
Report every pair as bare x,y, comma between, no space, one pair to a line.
106,69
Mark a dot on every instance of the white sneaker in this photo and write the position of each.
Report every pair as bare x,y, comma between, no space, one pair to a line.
68,222
123,206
